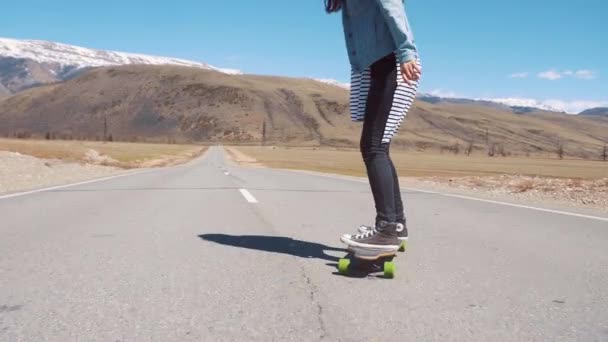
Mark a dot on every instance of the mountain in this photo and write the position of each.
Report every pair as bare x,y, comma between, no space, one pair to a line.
517,106
161,103
28,63
188,104
599,112
525,105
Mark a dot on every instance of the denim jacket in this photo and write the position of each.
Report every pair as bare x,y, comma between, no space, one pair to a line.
375,28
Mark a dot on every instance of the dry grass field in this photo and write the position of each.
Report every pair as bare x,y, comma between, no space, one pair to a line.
567,182
125,155
413,164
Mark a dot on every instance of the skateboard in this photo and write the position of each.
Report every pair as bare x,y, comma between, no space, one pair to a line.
402,246
365,262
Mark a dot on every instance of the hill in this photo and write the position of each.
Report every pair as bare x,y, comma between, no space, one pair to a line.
167,103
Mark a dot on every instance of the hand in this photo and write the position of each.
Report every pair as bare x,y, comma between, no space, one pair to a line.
411,72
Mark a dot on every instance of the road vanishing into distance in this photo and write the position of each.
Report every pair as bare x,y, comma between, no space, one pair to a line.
212,251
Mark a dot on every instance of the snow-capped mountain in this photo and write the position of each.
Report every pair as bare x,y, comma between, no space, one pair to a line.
74,56
25,63
517,105
525,103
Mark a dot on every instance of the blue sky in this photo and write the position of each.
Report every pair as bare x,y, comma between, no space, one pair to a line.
539,49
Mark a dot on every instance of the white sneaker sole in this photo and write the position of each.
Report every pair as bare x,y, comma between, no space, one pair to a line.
347,241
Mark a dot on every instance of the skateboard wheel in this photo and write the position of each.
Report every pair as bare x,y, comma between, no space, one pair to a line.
402,246
343,266
389,269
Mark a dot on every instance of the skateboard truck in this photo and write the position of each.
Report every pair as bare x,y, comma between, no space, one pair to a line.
368,261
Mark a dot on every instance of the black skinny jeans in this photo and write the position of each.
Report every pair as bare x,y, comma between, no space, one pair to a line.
388,101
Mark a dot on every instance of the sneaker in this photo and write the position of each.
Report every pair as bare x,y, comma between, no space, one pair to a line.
383,238
401,234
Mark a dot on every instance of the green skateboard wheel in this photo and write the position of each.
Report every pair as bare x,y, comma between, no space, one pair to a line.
343,266
403,246
389,269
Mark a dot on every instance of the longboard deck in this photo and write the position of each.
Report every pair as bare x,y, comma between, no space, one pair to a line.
370,254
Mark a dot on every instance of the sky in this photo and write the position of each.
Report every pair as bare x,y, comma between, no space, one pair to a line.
551,51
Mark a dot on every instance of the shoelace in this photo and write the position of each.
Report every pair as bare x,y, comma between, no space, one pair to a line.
365,235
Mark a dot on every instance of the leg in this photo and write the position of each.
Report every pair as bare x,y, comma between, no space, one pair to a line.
374,145
403,98
397,192
386,106
400,214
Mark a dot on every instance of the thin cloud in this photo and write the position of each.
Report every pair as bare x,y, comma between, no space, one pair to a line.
585,74
550,75
519,75
553,75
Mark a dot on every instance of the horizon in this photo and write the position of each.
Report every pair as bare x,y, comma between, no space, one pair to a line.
540,60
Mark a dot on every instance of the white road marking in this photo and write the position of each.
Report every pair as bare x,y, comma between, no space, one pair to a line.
73,184
248,196
599,218
227,173
526,207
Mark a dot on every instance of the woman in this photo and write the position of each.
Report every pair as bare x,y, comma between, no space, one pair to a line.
385,73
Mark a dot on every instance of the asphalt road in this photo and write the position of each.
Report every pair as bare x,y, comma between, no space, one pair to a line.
211,251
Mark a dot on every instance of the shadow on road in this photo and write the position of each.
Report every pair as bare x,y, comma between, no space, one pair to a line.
275,244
